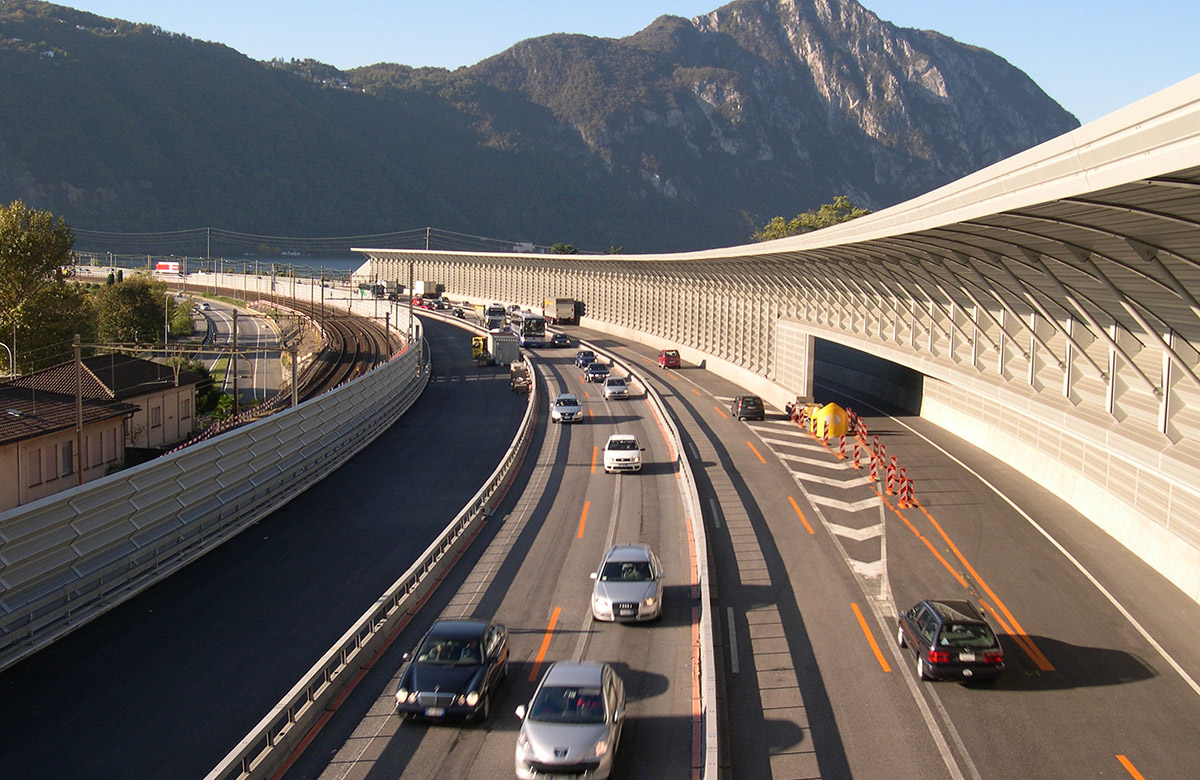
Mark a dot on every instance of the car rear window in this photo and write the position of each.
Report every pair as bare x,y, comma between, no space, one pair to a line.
974,635
752,402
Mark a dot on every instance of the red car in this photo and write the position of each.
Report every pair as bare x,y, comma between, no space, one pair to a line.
669,358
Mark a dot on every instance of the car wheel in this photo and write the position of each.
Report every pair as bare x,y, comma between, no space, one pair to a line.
900,637
922,669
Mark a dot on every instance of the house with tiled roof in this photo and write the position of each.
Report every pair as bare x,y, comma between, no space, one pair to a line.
164,395
41,450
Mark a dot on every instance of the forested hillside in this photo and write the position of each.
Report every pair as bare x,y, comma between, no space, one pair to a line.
685,135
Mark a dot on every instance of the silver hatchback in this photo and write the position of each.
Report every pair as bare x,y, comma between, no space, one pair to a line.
572,724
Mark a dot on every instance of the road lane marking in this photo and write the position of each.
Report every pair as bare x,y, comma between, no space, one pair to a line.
583,519
961,580
757,454
733,651
594,459
862,622
720,412
800,514
694,390
716,512
541,656
1027,644
1130,768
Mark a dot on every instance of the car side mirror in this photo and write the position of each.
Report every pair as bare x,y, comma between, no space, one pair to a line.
593,575
521,712
406,656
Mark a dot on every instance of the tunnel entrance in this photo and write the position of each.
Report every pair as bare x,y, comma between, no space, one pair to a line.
844,375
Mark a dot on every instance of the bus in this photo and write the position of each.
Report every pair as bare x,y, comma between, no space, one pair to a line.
530,329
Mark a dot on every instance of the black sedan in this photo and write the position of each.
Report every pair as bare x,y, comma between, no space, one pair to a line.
952,641
560,340
596,372
583,357
455,670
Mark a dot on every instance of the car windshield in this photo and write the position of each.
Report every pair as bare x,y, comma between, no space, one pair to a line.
622,444
594,366
566,402
966,635
568,705
616,382
450,652
626,571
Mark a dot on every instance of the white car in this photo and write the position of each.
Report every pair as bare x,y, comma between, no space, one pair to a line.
628,584
565,408
622,452
616,387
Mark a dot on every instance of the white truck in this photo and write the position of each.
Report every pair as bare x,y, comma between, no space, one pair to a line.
559,311
503,348
425,289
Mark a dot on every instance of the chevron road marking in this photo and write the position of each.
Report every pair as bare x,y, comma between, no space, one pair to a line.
856,534
846,506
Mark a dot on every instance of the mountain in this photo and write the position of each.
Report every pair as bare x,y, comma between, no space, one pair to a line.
685,135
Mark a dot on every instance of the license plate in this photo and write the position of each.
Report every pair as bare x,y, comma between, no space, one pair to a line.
434,712
625,612
966,656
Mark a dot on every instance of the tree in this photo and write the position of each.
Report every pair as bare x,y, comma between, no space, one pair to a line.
841,210
564,249
37,306
208,395
131,311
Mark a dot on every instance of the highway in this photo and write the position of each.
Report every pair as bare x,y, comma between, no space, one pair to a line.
529,571
809,565
259,373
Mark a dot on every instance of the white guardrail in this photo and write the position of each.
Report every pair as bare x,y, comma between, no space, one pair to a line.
278,734
67,558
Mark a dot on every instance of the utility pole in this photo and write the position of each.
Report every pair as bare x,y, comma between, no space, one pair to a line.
233,356
78,411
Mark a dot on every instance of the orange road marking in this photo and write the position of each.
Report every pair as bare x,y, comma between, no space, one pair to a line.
862,622
687,523
800,514
593,460
720,412
583,519
590,413
761,459
1027,644
1130,768
541,656
961,580
694,390
697,709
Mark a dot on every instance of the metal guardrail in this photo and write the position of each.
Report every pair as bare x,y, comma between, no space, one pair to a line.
67,558
269,744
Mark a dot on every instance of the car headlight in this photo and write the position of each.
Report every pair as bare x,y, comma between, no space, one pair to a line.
601,602
523,744
472,698
601,748
401,696
650,601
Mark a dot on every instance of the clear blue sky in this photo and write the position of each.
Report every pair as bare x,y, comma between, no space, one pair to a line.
1092,56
